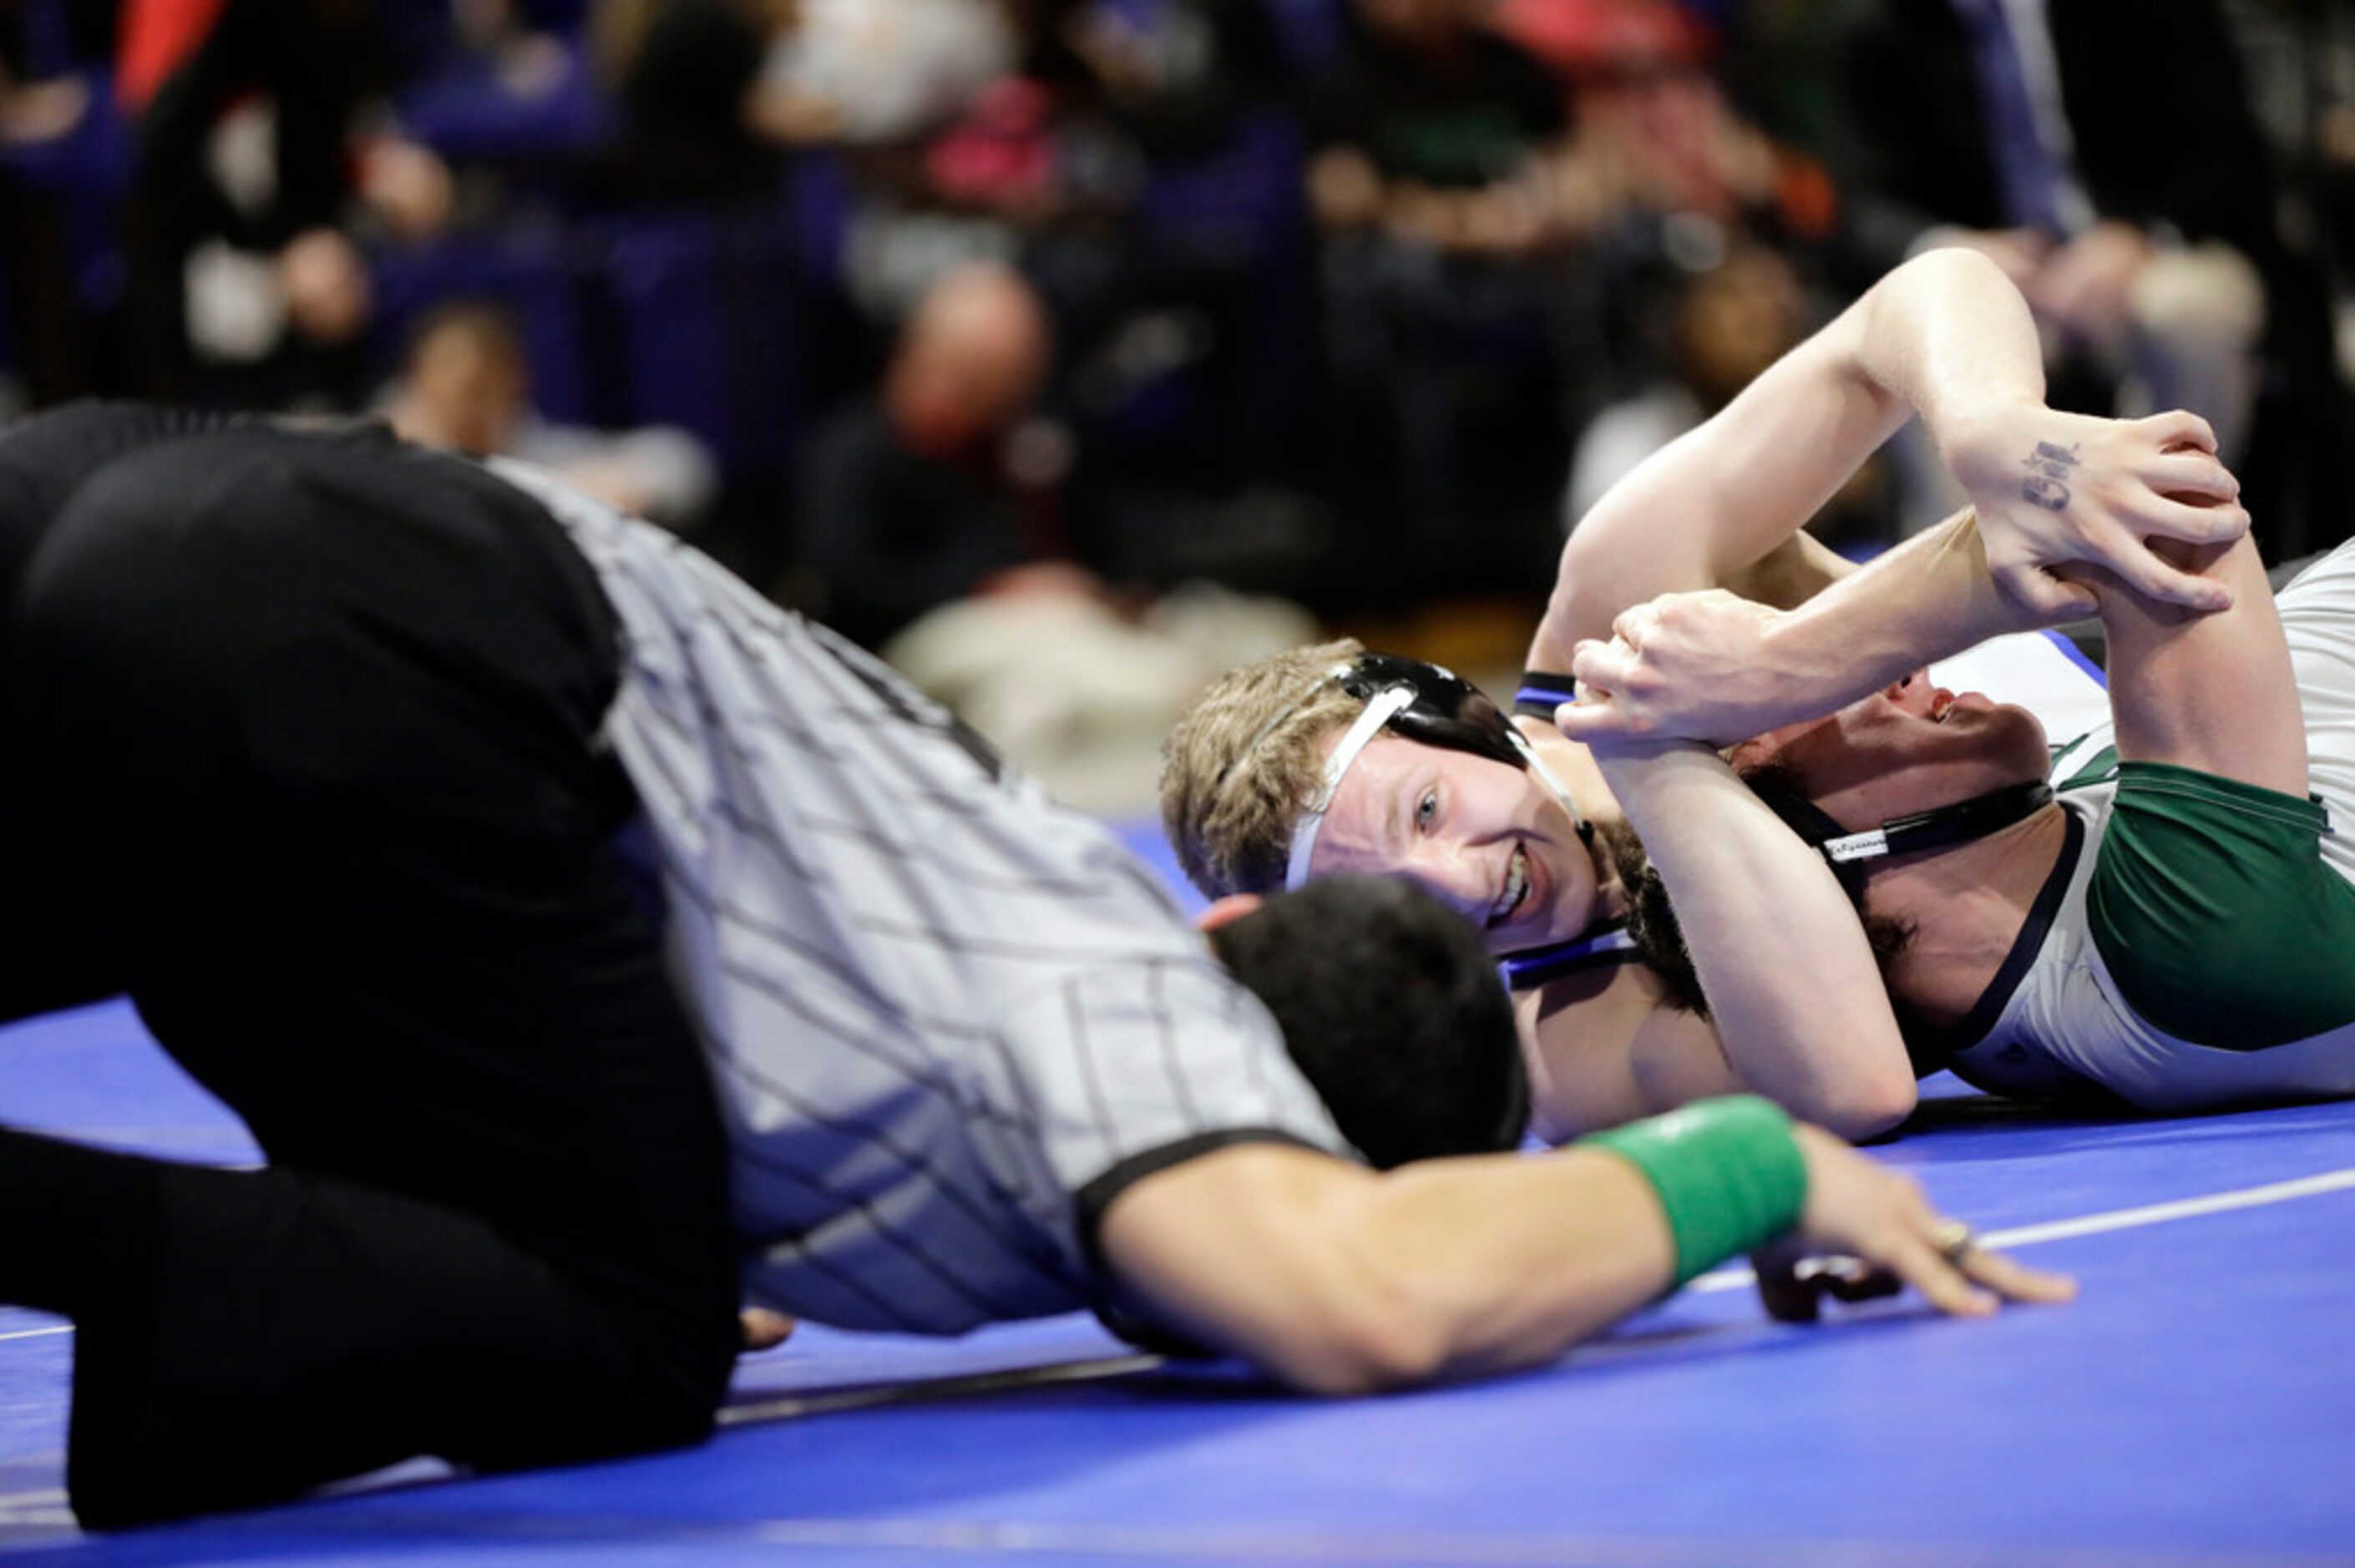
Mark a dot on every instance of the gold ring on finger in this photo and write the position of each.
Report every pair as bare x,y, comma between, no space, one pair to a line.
1954,1241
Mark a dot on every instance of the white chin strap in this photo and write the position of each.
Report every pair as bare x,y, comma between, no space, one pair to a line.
1547,778
1380,708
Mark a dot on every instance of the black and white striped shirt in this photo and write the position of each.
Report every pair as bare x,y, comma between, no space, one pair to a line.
950,1018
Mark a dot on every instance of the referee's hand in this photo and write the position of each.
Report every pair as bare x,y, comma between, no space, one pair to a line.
1870,1232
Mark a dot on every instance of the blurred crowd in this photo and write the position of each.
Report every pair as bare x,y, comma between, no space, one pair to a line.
1070,350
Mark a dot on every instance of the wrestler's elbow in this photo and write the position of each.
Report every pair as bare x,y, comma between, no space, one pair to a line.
1861,1105
1371,1355
1342,1345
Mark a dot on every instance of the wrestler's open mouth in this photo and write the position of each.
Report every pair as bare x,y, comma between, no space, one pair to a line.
1515,890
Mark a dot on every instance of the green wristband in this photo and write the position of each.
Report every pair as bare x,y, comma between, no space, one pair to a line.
1727,1171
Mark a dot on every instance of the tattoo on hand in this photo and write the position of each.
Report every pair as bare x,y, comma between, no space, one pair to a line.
2048,473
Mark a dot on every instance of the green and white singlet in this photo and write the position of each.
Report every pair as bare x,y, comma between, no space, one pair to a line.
2195,948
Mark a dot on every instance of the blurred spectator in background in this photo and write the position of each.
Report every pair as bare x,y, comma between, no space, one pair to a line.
2333,139
937,523
1313,286
1174,77
254,155
944,480
2301,59
1430,127
61,156
507,91
1431,137
1656,132
465,385
703,118
946,149
35,106
1175,253
876,71
1725,322
2107,159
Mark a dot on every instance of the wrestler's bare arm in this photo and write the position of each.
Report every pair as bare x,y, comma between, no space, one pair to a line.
1797,998
1793,986
1945,335
1717,667
1605,1047
2216,693
1340,1281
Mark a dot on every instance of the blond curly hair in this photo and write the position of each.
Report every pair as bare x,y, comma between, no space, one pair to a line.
1246,760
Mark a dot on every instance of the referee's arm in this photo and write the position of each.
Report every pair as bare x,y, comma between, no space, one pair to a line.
1341,1280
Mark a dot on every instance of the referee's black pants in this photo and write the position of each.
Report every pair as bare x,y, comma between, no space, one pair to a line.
304,732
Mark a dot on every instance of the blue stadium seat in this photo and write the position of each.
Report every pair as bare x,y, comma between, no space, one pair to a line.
1308,31
470,112
704,305
81,178
93,160
1248,205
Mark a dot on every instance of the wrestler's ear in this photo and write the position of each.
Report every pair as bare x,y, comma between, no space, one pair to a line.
1233,906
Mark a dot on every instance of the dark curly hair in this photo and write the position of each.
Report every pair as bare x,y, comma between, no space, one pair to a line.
1393,1009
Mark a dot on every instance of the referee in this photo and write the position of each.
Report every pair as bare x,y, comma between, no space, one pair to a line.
463,837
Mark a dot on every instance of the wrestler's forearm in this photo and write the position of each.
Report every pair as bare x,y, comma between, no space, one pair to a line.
1945,334
1929,598
1340,1281
1798,1000
1710,666
1949,336
1790,573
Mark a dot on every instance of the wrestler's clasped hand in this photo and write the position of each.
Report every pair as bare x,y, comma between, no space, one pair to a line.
2055,490
1685,666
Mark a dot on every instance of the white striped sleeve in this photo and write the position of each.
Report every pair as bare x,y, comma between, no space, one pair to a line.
1135,1059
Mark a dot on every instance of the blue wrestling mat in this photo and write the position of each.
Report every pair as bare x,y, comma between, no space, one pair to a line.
2197,1406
